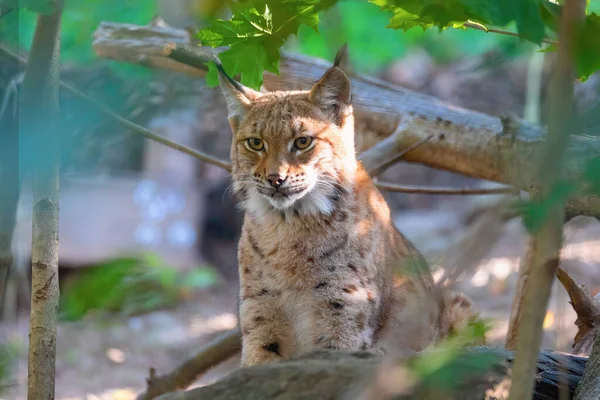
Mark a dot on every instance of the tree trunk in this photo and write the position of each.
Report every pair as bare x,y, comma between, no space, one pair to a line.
546,244
40,127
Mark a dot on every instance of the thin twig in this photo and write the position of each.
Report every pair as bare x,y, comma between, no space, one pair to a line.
134,127
479,27
386,164
391,187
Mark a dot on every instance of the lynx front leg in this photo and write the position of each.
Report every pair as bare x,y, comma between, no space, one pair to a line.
343,320
266,335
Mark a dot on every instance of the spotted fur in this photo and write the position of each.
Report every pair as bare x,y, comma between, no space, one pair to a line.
321,264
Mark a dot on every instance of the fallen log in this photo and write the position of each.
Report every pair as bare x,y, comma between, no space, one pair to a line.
327,374
501,149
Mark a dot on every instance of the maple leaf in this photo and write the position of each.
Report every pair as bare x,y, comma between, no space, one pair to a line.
256,32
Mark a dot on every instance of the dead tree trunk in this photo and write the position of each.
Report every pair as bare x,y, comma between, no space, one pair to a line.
39,111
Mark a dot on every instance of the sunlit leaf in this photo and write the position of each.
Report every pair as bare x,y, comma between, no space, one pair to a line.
212,76
256,32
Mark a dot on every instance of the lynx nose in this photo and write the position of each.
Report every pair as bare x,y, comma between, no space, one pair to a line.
276,180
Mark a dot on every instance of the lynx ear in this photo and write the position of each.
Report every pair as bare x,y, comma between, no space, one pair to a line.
333,94
239,97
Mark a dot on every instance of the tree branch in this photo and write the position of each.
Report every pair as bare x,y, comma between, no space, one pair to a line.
465,142
587,309
185,374
390,187
588,335
479,27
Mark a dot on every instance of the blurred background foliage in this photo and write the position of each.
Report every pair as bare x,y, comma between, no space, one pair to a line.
363,27
131,286
372,45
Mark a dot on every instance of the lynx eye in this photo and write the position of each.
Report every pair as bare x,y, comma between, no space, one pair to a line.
255,144
303,143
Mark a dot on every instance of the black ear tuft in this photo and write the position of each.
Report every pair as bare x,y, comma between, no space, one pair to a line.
239,97
341,57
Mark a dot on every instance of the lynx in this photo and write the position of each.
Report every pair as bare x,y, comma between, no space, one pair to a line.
321,263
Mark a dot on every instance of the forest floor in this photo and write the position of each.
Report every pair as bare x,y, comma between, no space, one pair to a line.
109,358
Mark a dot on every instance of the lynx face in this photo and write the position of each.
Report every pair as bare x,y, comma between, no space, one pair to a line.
291,149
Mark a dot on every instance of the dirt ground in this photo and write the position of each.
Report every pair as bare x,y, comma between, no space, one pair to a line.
109,358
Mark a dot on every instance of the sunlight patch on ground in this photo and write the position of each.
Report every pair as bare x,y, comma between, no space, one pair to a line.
497,333
549,320
113,394
587,251
495,267
201,326
115,355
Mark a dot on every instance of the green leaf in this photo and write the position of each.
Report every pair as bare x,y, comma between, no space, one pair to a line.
587,47
535,212
256,32
454,13
212,76
45,7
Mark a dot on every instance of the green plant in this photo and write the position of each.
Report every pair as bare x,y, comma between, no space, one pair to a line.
79,20
8,357
131,286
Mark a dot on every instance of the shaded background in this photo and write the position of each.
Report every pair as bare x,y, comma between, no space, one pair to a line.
148,235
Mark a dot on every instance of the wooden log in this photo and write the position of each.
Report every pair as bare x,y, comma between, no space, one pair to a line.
328,374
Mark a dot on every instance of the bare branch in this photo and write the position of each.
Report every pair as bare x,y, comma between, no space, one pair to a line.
389,161
474,25
391,187
587,309
185,374
588,336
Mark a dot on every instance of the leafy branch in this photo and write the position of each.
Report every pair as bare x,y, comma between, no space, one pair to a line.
256,32
259,28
